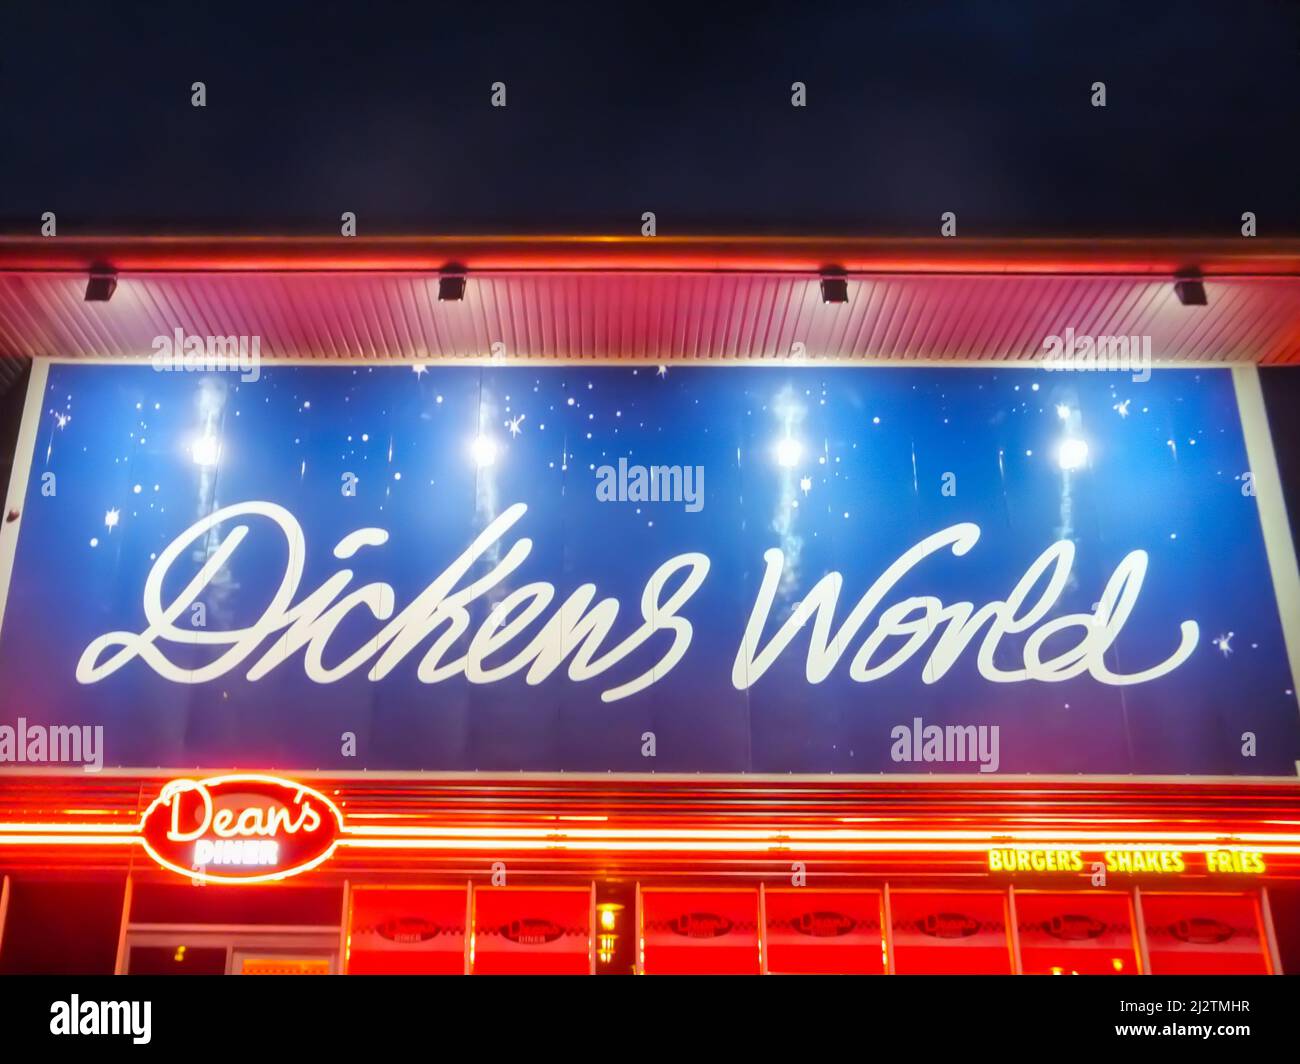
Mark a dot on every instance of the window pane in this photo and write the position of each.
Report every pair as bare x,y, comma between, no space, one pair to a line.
1077,933
176,960
276,964
704,932
1216,934
950,934
61,927
824,932
531,932
407,932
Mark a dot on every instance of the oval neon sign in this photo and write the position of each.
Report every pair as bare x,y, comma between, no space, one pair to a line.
240,828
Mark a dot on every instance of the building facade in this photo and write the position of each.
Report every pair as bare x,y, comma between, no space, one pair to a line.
590,605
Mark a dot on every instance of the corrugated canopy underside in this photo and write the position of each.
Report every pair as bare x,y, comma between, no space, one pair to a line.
621,299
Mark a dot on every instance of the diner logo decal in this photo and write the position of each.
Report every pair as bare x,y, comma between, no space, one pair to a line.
701,925
824,924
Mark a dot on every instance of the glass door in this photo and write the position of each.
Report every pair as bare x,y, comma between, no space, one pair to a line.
207,950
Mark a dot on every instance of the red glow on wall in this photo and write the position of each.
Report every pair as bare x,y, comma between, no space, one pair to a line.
698,932
957,933
1193,934
824,932
1077,933
527,931
407,931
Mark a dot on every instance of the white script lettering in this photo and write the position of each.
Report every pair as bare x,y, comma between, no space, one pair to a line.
580,629
962,621
441,607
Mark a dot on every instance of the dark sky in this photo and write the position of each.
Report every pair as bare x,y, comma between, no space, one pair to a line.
614,109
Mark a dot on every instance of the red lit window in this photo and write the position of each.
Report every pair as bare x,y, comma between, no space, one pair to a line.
1076,933
1213,934
949,934
824,932
407,931
284,966
705,932
525,931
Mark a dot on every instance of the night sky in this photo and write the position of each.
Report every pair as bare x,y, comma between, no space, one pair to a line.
612,110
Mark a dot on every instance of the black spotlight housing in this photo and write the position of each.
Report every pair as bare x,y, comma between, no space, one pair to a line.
1190,289
835,286
451,286
101,284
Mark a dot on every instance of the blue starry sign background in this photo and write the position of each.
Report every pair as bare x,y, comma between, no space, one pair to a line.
843,470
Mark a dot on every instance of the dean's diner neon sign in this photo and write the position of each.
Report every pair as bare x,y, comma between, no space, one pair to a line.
240,828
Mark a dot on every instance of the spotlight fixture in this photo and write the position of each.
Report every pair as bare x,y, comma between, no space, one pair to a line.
206,451
1190,289
835,287
788,452
1072,454
101,285
484,450
451,285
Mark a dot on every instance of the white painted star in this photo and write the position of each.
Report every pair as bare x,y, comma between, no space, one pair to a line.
419,370
663,370
1062,411
62,419
1121,408
1224,643
110,520
514,423
805,484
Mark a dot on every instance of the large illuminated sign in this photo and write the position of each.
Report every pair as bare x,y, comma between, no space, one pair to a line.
240,828
348,568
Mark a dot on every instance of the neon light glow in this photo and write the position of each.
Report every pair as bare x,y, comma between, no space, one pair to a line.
256,828
1235,862
1160,862
1035,861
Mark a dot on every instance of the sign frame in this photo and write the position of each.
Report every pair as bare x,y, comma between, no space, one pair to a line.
1281,557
